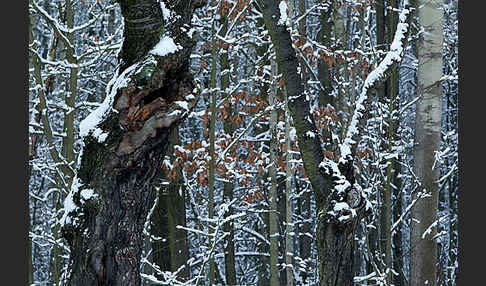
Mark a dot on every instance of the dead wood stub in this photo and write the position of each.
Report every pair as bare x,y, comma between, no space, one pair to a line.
143,112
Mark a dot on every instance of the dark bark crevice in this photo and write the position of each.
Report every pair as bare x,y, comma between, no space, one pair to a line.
114,189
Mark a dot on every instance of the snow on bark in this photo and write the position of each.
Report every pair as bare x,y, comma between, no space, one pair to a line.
89,125
165,46
393,56
284,19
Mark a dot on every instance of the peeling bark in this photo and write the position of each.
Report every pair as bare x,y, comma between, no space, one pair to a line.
104,231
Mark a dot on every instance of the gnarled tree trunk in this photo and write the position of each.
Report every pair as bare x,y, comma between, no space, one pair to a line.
125,141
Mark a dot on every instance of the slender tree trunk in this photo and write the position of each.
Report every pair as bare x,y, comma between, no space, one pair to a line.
340,44
212,154
30,276
67,149
323,67
159,231
289,234
171,249
324,37
262,226
394,185
108,204
229,128
423,247
273,216
398,253
176,215
388,94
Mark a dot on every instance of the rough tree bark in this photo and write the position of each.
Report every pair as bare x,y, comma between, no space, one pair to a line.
423,247
334,237
334,241
125,141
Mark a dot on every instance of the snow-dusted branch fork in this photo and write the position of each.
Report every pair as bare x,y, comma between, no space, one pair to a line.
341,183
340,201
392,59
125,140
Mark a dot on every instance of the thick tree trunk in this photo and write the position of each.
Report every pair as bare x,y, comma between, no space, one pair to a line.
335,246
123,150
423,247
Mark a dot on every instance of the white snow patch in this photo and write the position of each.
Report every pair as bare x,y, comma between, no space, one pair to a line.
165,46
165,11
91,121
182,104
69,205
310,134
284,19
341,206
87,194
99,135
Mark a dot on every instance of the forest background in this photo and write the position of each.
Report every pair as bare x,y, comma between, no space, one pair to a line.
237,175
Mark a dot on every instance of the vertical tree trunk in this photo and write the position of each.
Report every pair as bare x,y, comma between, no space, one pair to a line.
171,249
67,149
263,224
159,230
229,128
423,247
323,68
393,187
324,37
212,154
176,215
388,94
108,204
289,234
273,216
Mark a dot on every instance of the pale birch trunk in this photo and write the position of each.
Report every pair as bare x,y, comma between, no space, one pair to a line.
423,247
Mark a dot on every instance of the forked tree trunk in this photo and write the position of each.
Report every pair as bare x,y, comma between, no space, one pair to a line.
335,237
334,241
124,149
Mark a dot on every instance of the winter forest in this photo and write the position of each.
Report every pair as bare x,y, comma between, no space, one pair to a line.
243,142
